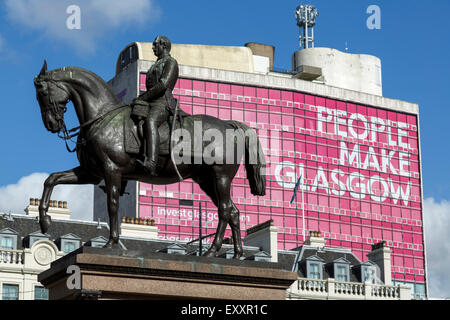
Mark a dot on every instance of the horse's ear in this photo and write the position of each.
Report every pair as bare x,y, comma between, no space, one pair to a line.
44,69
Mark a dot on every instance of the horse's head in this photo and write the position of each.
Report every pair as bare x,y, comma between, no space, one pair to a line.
52,96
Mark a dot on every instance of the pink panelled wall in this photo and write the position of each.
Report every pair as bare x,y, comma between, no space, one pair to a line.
359,167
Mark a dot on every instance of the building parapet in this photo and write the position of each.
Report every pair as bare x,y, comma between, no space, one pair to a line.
330,289
289,83
11,257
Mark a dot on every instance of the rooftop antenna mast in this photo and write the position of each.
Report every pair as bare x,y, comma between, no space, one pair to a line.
306,19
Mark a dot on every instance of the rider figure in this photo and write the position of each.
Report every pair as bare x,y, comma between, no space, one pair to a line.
157,103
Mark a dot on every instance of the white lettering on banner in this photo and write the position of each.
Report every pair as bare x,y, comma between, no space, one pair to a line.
375,125
320,181
358,185
380,128
353,158
289,178
182,239
189,214
354,117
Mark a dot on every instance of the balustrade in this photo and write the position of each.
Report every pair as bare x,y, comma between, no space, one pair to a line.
11,256
333,289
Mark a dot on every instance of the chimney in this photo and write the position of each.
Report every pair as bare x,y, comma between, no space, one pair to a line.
56,209
315,240
260,50
381,255
138,228
264,236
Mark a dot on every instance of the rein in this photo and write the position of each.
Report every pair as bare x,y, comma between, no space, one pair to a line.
69,134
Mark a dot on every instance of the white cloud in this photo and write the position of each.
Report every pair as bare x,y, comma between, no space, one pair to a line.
99,18
15,197
437,235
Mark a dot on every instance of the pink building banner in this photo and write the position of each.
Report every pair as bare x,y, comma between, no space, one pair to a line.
358,167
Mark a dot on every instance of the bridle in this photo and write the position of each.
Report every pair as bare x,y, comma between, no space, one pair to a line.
58,113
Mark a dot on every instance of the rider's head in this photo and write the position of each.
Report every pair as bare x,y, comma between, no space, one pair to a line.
161,44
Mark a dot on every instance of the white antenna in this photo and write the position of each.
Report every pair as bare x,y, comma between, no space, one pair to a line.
306,19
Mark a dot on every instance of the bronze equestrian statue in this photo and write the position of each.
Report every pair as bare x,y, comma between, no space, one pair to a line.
102,154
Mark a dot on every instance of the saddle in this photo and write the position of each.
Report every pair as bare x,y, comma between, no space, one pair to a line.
134,137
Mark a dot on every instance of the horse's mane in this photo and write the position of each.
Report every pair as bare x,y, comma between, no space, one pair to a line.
96,79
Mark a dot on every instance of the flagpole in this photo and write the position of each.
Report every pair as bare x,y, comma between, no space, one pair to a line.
303,216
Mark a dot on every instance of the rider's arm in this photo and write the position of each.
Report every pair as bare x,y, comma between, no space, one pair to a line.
167,81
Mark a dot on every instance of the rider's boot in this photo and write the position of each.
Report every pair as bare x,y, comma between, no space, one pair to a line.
151,156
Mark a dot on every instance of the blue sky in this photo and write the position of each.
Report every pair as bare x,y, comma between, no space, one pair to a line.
412,45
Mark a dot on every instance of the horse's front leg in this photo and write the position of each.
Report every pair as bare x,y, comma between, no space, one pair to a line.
74,176
112,184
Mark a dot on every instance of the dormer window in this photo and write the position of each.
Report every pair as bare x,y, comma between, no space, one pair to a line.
314,271
7,243
34,237
369,272
341,270
98,242
260,256
68,243
69,246
8,239
314,267
341,273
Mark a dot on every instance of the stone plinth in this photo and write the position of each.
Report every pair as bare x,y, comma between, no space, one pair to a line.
117,274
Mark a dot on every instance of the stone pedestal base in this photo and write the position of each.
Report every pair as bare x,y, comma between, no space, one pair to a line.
115,274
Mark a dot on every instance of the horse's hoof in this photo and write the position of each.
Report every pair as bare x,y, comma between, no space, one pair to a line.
111,244
237,256
210,253
45,222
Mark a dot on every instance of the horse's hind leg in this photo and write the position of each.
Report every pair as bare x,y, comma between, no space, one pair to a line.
113,184
226,210
236,231
208,186
74,176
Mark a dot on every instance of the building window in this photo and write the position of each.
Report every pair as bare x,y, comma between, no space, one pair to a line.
419,292
342,273
69,246
40,293
10,292
36,236
7,242
8,239
314,271
97,244
369,274
314,266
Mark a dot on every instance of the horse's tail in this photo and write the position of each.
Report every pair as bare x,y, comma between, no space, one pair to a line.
255,163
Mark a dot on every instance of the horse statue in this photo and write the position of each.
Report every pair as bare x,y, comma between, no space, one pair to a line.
102,154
